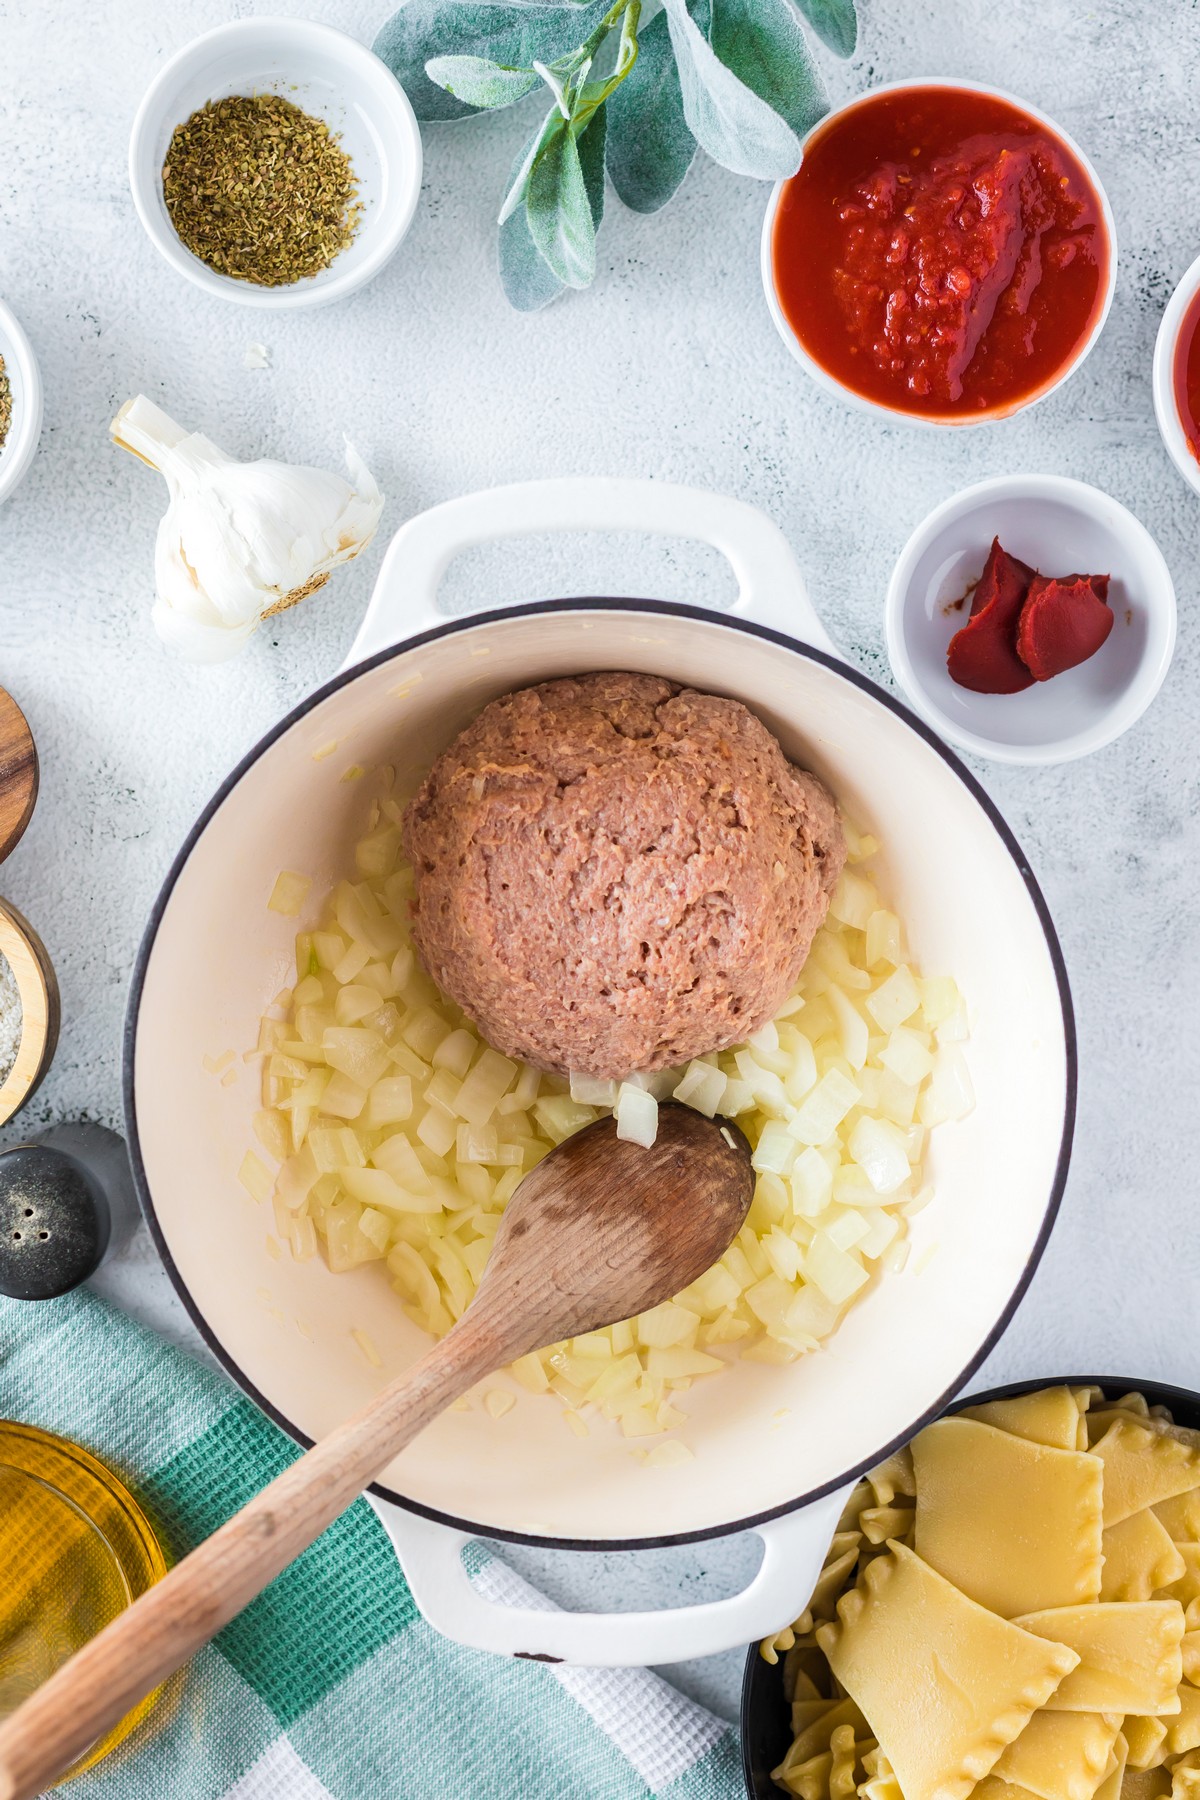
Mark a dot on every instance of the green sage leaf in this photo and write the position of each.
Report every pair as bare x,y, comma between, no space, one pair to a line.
510,34
737,129
559,212
526,277
834,21
519,185
479,82
762,42
650,145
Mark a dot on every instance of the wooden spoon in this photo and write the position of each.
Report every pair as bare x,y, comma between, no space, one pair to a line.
599,1231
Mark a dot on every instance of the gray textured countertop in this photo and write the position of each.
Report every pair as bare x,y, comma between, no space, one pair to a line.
673,369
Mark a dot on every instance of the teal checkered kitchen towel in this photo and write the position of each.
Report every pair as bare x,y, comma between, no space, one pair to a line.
330,1686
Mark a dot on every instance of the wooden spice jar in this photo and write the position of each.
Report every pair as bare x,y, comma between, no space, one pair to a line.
22,948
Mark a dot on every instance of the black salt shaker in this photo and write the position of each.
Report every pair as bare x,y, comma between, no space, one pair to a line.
66,1201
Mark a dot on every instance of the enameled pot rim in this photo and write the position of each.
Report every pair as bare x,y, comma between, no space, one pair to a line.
708,617
1158,1393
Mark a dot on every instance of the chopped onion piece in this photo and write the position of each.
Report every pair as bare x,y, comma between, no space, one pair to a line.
591,1092
950,1094
896,1000
879,1150
289,893
636,1115
702,1086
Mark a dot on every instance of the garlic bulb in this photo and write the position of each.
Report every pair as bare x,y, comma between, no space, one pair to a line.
240,541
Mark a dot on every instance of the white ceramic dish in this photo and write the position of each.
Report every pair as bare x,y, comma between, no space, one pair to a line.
830,382
1061,527
25,382
773,1447
1166,411
329,75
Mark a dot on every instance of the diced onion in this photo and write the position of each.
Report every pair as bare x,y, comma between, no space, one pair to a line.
636,1115
400,1137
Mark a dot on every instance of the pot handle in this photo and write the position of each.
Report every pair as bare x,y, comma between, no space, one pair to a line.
794,1548
771,588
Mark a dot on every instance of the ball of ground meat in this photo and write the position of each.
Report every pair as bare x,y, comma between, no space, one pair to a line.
614,874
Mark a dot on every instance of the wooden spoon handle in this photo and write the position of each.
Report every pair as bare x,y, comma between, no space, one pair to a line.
170,1622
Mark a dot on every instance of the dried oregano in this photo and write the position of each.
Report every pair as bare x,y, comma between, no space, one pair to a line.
259,190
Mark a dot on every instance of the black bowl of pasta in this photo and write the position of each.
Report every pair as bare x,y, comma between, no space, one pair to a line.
1020,1610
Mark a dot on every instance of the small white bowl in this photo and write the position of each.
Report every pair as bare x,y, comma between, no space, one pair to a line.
327,74
25,382
1170,425
862,402
1061,527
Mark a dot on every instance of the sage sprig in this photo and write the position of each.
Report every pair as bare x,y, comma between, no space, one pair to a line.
634,88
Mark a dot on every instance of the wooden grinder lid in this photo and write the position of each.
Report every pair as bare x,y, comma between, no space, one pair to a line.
19,942
18,774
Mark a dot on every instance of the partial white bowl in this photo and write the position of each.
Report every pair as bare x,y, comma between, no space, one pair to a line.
328,75
1061,527
830,382
1170,424
25,382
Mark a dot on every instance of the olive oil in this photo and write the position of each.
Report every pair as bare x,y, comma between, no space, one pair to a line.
75,1550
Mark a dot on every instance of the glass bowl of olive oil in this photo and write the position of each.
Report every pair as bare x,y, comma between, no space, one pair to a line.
75,1550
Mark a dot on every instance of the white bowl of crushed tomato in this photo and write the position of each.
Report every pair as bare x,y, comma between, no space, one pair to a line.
1177,376
1070,535
945,253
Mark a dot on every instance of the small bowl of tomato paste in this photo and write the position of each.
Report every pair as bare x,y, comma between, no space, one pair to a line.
1074,692
1177,376
944,253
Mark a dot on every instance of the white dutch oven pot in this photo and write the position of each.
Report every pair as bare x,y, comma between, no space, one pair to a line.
776,1447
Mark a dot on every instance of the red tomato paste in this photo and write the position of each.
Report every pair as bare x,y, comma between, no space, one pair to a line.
940,252
1026,627
1187,375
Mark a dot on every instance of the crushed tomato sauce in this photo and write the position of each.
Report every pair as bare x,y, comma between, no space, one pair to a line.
940,252
1186,374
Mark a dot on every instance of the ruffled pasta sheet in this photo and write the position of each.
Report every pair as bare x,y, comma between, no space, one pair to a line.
825,1758
1180,1516
1129,1655
1052,1416
1110,1787
1144,1465
1147,1741
1183,1730
1061,1755
893,1476
912,1650
1140,1558
1014,1524
840,1559
1186,1589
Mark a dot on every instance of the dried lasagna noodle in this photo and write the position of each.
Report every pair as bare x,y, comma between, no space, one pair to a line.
893,1476
1129,1655
1110,1787
1010,1503
1183,1731
1014,1524
1186,1587
1143,1466
1051,1416
1139,1558
1061,1755
1146,1739
909,1647
1180,1516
